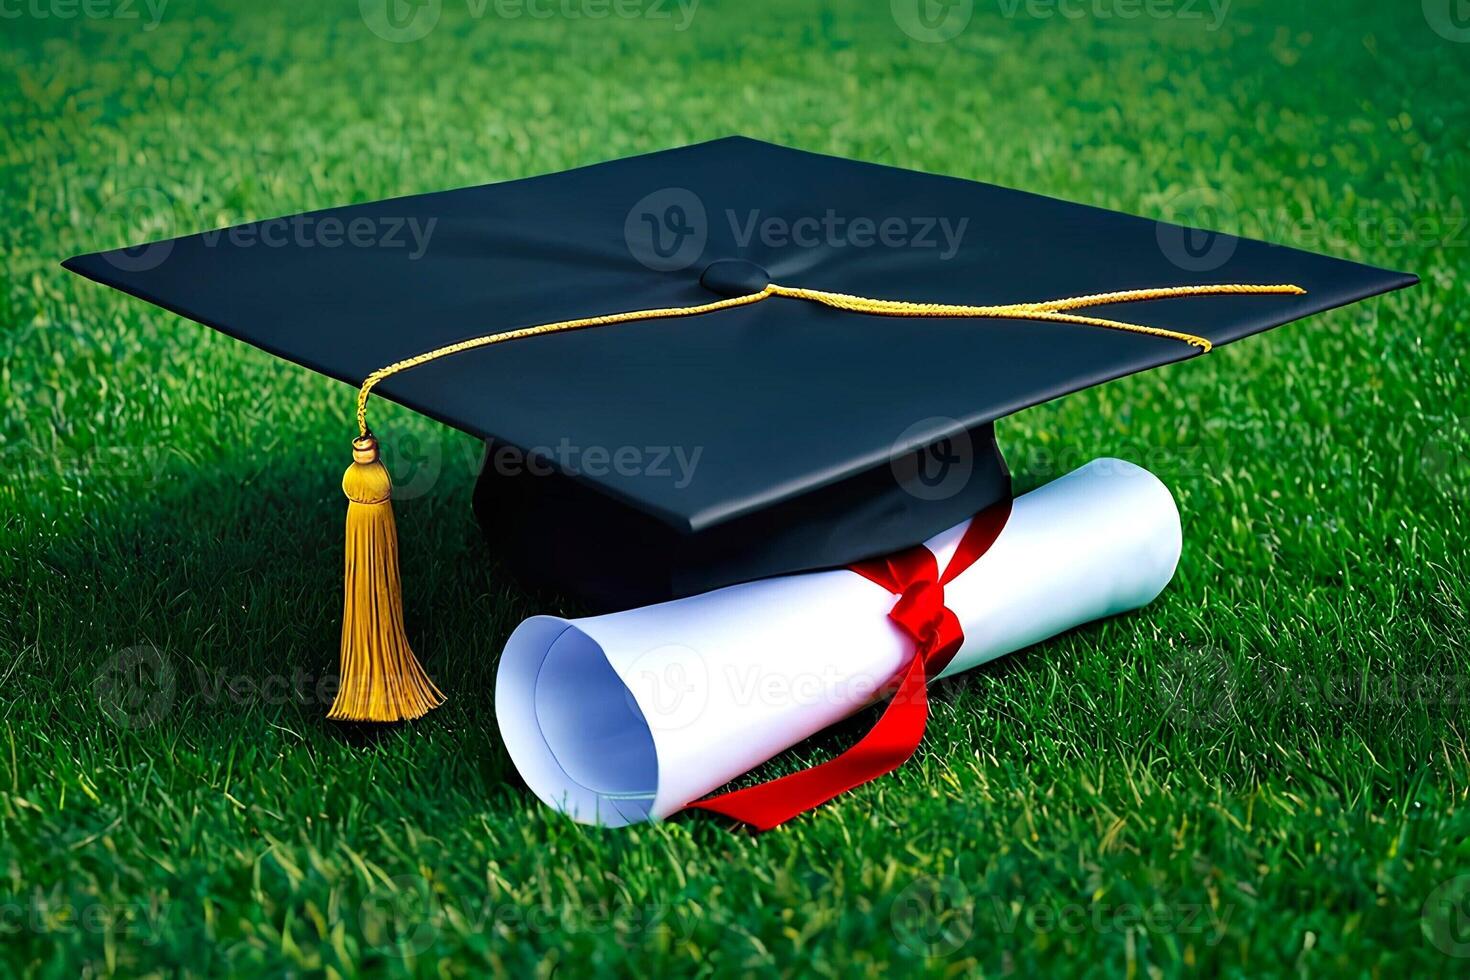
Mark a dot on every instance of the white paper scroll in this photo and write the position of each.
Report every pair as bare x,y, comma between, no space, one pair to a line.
630,716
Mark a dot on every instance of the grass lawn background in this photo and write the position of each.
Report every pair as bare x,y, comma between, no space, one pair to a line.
1264,772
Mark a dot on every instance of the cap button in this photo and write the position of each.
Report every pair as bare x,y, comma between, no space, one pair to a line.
734,277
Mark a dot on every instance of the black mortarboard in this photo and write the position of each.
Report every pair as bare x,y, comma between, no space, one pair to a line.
806,424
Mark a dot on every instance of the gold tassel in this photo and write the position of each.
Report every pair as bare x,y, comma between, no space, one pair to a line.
381,679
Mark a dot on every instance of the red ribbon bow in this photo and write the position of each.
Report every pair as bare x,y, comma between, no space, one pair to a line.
914,577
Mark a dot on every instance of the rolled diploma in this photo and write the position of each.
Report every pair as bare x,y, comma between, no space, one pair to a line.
630,716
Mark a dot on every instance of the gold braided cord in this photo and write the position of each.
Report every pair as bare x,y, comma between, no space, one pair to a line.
1052,311
1018,311
546,328
1166,292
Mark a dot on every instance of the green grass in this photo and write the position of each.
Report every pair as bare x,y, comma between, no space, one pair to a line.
1264,772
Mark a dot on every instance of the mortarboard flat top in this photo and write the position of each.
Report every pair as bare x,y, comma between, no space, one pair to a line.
779,398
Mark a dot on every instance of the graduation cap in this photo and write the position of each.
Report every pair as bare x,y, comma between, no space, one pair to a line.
719,362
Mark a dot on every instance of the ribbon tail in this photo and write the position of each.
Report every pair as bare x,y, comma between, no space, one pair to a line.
889,744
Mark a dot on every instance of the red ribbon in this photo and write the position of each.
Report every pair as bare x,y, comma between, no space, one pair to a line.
913,576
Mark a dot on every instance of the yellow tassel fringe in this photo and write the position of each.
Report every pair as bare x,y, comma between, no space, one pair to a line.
381,679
